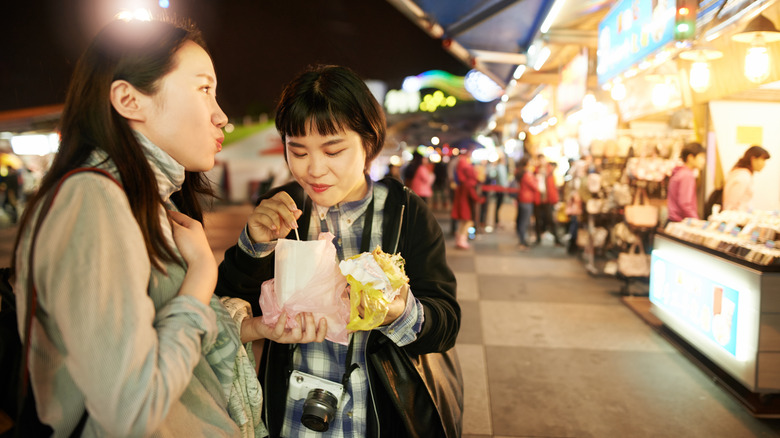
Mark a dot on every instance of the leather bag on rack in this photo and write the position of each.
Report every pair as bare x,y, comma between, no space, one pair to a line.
640,213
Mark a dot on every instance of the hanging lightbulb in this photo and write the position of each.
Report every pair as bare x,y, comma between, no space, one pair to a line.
700,76
661,95
758,33
618,91
757,61
700,72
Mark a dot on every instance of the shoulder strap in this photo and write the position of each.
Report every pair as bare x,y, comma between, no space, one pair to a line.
32,293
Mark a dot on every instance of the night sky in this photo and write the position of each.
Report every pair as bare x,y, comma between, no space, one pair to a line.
257,45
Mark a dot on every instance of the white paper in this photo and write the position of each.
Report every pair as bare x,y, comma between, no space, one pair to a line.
296,261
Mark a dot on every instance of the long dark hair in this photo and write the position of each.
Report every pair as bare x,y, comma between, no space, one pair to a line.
140,53
752,152
331,98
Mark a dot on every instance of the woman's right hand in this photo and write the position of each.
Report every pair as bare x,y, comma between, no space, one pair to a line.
274,218
190,239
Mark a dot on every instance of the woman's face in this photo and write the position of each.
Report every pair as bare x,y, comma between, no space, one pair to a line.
329,167
184,119
758,163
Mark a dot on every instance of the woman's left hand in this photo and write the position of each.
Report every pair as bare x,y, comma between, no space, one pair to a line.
397,306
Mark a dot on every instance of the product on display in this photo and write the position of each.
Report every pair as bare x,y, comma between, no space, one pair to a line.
748,236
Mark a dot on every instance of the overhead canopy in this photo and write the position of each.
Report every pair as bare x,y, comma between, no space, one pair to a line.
494,36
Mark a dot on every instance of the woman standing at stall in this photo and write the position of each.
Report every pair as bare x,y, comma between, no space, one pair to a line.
738,190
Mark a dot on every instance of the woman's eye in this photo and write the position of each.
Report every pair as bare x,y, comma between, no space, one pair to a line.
298,154
333,154
206,89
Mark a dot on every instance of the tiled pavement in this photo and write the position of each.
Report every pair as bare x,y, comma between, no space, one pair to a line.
550,351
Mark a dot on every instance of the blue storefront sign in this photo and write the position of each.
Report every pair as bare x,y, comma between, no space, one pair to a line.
703,305
632,31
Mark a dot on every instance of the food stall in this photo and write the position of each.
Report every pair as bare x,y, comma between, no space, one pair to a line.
716,284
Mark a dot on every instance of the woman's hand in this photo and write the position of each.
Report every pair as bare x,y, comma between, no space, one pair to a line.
274,218
307,331
397,306
190,239
394,309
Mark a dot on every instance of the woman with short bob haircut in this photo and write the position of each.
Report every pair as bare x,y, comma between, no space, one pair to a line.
332,128
128,339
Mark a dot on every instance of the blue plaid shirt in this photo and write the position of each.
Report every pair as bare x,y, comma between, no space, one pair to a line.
328,359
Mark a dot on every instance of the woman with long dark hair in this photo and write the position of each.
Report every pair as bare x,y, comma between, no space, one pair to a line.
738,190
127,338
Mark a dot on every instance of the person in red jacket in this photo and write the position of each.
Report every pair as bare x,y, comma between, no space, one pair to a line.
526,182
546,198
465,198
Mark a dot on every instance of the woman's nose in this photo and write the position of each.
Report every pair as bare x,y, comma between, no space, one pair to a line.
219,118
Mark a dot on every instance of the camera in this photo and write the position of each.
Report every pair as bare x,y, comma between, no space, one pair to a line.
322,399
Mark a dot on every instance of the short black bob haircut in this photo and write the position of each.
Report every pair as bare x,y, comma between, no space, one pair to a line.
331,99
689,149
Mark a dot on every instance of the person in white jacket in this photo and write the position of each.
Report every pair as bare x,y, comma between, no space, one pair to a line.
738,190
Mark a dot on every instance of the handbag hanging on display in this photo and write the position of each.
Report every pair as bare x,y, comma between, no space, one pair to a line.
640,213
634,263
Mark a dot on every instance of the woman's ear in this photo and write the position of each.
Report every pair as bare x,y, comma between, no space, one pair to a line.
127,101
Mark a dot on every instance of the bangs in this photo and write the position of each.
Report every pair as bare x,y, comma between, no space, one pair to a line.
312,114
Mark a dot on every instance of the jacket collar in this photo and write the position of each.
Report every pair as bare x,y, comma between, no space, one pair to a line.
168,172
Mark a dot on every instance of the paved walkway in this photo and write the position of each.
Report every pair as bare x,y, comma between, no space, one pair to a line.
550,351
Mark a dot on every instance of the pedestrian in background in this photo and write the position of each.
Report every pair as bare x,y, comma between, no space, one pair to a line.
441,185
546,198
738,189
422,177
681,200
466,198
128,339
526,183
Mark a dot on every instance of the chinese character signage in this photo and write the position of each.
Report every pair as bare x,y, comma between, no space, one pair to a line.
632,31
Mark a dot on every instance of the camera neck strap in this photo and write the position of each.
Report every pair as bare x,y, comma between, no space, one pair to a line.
365,241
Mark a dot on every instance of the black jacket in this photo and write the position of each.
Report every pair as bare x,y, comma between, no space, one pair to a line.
410,226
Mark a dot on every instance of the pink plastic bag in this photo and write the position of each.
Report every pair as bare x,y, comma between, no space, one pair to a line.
307,279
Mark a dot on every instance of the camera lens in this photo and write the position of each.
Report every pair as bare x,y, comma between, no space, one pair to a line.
319,408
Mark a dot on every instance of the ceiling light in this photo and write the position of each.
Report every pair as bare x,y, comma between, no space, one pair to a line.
757,33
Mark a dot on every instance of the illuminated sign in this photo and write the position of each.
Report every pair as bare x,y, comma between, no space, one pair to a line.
440,80
432,102
481,86
574,82
632,31
537,107
705,306
402,102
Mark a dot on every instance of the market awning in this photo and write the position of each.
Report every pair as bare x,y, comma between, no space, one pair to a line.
495,36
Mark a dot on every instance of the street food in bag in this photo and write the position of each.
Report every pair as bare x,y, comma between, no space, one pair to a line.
375,280
307,279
